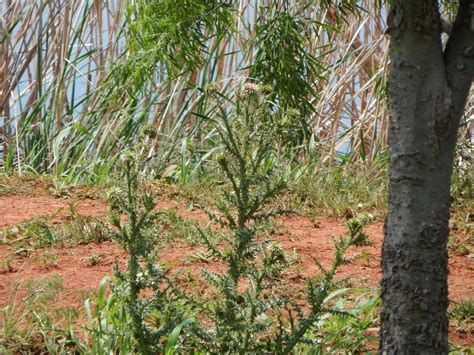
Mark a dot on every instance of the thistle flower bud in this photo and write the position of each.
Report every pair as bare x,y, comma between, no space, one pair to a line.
220,157
293,113
150,131
127,158
211,89
266,89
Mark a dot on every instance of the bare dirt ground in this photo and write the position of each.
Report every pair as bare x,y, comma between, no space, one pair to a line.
307,238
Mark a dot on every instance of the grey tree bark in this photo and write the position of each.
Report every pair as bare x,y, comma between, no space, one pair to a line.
428,89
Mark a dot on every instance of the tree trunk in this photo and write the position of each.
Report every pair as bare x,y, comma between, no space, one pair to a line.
428,87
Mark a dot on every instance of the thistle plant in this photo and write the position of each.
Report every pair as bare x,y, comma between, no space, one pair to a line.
322,291
249,314
248,162
132,214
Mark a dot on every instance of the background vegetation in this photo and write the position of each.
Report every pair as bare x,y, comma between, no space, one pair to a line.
80,79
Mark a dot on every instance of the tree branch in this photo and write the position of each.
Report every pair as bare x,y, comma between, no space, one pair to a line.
459,56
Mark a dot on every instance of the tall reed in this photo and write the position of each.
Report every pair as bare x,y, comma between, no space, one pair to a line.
66,106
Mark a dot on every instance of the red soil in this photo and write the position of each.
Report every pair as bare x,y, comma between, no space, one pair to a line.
15,209
300,234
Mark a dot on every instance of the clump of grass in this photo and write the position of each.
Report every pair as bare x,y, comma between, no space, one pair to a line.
32,234
20,326
463,310
462,315
459,246
94,259
47,259
45,232
175,229
40,233
352,327
6,265
339,189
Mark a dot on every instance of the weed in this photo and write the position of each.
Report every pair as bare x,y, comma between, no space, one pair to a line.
42,232
34,234
86,229
132,214
94,259
174,229
60,188
364,255
19,328
6,265
248,313
48,259
201,257
459,246
337,189
355,226
462,315
350,327
248,163
271,227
